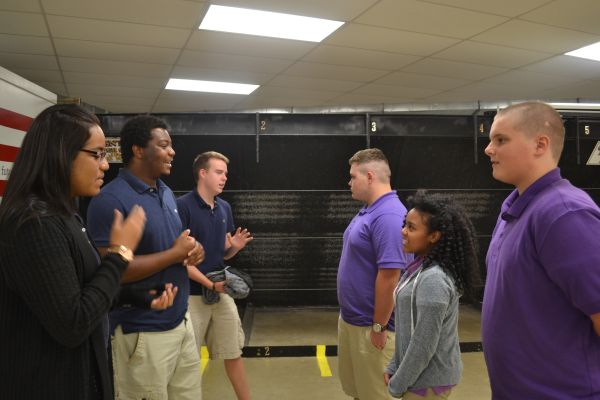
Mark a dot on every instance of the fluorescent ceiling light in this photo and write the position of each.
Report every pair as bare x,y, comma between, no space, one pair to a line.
210,86
591,52
576,106
265,23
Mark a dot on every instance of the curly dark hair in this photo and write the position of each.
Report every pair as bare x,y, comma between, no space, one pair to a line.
138,131
456,251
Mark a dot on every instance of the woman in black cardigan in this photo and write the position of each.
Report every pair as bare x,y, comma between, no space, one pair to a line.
55,290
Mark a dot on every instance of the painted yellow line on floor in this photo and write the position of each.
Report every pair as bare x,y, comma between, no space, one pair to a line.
322,361
203,358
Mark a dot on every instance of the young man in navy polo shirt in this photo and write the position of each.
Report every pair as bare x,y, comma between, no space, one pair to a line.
369,269
541,307
210,221
153,352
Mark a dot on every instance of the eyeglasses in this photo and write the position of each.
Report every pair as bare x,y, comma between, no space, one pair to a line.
97,154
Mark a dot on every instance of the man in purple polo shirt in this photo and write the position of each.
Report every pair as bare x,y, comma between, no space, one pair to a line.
369,269
541,308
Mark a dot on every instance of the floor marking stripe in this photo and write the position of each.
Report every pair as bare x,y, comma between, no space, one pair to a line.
203,359
322,361
330,350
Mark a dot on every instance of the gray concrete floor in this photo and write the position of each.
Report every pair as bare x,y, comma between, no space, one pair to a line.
294,378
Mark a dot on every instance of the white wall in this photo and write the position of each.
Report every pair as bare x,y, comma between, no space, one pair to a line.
20,102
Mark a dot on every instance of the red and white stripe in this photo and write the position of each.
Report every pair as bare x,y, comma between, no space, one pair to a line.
20,102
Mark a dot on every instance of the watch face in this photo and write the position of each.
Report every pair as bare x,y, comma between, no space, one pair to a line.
377,327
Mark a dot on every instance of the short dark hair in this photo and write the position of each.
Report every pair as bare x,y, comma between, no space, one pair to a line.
201,162
40,180
138,131
456,251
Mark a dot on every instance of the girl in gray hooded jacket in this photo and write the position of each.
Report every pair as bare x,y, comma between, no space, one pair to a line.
426,363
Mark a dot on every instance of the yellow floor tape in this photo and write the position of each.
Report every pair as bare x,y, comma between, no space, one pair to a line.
203,358
322,361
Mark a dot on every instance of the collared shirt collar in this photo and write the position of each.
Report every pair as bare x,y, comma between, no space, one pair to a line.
201,201
137,184
369,209
514,205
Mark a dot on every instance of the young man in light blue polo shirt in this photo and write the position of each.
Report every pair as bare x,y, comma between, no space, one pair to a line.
541,307
369,269
153,352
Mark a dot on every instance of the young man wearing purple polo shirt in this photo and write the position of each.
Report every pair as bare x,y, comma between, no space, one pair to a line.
369,269
541,308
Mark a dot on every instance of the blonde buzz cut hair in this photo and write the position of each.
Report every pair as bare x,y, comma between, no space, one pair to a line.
376,160
535,117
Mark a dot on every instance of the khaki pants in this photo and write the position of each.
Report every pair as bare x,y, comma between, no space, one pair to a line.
361,365
157,365
430,395
219,326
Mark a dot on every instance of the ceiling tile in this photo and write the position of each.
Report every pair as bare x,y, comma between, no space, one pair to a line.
116,32
313,84
453,69
115,80
26,44
21,5
232,62
567,65
489,54
564,13
40,75
105,101
270,102
589,89
384,39
118,91
128,109
295,93
533,36
255,46
340,72
421,81
509,8
355,99
115,52
531,79
205,74
340,10
487,92
194,102
30,61
328,54
22,23
114,67
395,91
174,13
54,87
417,16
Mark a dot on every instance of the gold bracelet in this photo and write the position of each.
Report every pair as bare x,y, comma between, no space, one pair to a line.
123,251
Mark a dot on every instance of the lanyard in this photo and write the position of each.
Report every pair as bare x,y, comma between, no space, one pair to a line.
401,286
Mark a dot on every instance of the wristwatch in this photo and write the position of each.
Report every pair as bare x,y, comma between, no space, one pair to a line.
123,251
378,328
